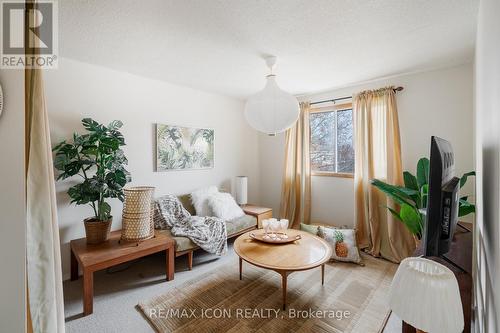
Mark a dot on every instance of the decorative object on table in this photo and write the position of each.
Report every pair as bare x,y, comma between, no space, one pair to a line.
425,294
261,236
266,224
182,148
224,207
275,230
138,212
283,228
271,110
412,197
343,243
199,199
98,159
241,190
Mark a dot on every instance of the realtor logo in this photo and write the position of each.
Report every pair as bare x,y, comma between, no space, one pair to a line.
36,47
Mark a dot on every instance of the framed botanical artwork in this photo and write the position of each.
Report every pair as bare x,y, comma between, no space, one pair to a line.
184,148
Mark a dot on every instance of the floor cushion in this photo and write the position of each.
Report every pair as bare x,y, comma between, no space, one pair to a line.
343,243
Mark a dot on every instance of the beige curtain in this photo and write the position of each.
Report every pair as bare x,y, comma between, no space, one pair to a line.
44,275
378,155
296,188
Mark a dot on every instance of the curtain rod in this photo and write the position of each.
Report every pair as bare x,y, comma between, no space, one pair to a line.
347,97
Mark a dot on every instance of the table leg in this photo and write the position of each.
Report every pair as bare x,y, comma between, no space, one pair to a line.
88,291
323,274
241,268
170,257
74,267
284,277
190,260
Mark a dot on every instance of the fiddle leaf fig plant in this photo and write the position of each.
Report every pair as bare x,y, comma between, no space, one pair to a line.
412,197
97,158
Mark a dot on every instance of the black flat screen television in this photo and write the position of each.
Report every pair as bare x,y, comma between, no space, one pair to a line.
442,201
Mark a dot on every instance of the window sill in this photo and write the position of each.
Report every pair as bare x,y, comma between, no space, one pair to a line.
332,174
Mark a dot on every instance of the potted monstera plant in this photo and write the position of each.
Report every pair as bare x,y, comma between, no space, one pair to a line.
412,197
97,158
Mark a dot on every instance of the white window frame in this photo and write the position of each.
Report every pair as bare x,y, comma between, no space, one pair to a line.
333,108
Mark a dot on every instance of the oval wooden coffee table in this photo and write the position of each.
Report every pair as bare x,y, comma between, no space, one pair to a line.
306,253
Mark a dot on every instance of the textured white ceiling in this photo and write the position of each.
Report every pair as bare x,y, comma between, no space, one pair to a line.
217,45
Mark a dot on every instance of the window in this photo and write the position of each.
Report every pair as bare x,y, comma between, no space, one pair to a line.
332,145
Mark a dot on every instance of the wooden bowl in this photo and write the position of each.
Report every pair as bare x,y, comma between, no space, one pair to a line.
259,236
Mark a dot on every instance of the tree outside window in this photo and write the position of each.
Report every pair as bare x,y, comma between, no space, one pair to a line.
332,145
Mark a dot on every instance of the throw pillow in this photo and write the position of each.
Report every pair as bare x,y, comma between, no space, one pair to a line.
224,206
343,243
199,198
312,229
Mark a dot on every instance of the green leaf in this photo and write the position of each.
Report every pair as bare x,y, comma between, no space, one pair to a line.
424,190
410,181
59,145
465,207
394,213
60,161
407,191
463,180
115,124
109,144
83,193
90,149
395,192
411,184
423,171
91,125
411,218
104,211
71,169
466,210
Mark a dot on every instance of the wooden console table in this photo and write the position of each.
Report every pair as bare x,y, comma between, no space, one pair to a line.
94,258
460,255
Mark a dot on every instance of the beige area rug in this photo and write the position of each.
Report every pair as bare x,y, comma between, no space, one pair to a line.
353,299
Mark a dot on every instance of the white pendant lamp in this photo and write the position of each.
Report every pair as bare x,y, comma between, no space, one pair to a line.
272,110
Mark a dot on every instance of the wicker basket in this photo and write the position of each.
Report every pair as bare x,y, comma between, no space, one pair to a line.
137,219
97,231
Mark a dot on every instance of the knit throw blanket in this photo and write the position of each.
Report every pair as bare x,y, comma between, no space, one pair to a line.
209,233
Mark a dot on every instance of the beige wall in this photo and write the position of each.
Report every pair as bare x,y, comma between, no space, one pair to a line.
433,103
77,90
12,204
487,231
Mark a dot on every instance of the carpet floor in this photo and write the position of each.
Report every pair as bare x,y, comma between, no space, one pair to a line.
353,299
118,292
